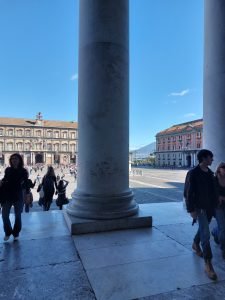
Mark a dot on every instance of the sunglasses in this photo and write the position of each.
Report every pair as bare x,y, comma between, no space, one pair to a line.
223,167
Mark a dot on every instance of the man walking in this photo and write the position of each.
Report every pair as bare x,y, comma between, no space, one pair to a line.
201,200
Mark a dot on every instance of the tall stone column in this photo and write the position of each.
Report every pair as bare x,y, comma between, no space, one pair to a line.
214,80
103,112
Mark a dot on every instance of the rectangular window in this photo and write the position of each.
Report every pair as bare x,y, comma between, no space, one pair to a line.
198,134
27,132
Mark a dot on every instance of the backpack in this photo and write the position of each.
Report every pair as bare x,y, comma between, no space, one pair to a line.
48,184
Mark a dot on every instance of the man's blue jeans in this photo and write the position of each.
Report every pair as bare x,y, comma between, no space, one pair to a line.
219,230
203,234
18,206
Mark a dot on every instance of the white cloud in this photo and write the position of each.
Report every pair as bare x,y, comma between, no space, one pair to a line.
188,115
74,77
180,94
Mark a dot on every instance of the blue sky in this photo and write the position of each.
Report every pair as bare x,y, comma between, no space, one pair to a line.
39,62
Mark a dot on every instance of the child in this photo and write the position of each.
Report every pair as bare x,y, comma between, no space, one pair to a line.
61,200
28,202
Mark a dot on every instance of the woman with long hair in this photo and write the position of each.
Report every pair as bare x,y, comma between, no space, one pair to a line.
14,182
219,231
49,185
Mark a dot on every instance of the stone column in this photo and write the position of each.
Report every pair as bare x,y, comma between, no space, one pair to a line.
214,80
103,112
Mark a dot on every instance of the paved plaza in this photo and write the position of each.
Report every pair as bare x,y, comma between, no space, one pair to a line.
148,185
147,264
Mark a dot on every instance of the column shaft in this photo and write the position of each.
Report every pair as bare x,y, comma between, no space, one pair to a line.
103,112
214,80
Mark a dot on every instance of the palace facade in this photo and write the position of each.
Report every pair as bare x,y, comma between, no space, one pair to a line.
178,145
38,141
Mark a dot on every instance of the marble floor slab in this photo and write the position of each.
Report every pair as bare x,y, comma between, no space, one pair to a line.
24,254
140,279
117,238
40,225
148,263
118,255
60,281
210,291
167,213
43,263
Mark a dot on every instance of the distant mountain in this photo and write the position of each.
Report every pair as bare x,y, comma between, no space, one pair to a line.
143,152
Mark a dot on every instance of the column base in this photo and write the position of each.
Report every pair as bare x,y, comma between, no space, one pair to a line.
81,226
102,207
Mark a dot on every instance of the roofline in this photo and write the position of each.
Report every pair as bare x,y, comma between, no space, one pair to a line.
37,126
163,132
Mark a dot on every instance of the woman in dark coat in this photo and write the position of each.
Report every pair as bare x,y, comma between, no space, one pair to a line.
14,181
49,185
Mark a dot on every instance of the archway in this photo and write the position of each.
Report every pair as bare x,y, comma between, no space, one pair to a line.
56,159
39,159
188,158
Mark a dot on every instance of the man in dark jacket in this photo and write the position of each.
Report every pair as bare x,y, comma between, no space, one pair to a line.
201,200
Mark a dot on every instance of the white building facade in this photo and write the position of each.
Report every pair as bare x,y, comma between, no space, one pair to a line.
38,141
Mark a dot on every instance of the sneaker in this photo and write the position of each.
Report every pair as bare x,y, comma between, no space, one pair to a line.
16,238
215,237
6,237
197,249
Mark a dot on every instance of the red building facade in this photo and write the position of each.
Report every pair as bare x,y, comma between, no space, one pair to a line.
178,145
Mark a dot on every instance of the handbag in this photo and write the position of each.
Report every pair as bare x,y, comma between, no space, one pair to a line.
28,198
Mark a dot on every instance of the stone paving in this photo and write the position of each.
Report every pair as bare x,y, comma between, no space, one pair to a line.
149,263
153,186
